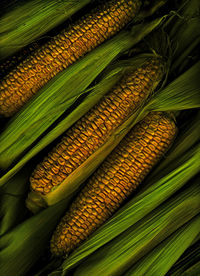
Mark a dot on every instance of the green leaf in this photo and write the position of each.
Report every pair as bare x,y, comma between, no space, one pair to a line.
182,93
160,260
25,21
187,260
193,270
12,200
25,244
184,31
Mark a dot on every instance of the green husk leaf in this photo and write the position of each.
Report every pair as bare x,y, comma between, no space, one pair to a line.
160,260
139,206
149,9
12,200
190,257
182,93
193,270
118,255
184,31
25,244
61,92
25,21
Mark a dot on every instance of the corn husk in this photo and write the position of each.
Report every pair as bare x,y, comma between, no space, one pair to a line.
118,255
25,21
189,259
184,30
171,93
161,259
23,246
60,93
12,201
192,271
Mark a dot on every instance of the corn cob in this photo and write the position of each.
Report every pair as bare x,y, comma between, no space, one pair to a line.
93,129
10,63
117,177
63,50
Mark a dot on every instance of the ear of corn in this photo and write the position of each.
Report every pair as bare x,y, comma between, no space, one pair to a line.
161,259
138,207
63,50
59,94
117,256
23,22
115,180
92,130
